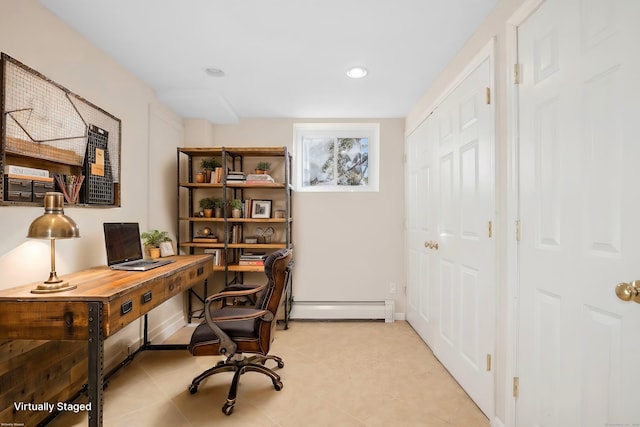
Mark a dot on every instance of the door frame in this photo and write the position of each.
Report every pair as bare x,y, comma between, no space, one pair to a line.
512,289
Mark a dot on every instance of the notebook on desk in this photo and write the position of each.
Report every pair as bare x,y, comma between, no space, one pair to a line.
124,249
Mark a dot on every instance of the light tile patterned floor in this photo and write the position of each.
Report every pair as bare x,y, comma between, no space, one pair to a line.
336,374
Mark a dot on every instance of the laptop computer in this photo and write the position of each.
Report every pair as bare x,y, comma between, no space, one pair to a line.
124,249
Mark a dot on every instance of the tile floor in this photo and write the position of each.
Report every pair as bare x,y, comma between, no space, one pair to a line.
336,374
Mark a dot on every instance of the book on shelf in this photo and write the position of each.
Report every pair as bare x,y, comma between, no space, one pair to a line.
259,178
216,176
202,239
236,176
250,262
218,256
252,258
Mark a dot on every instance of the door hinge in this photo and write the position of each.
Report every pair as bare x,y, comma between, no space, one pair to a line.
488,96
490,229
488,362
516,386
517,230
516,74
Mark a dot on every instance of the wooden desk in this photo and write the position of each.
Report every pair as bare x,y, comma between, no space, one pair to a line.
104,302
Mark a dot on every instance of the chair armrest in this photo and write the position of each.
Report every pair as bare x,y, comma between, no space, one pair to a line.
227,346
230,294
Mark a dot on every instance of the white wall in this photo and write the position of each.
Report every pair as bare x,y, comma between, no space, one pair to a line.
35,37
348,246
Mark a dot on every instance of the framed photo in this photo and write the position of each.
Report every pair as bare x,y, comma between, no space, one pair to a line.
166,249
261,209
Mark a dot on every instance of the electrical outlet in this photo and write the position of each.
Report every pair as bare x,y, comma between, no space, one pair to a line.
392,288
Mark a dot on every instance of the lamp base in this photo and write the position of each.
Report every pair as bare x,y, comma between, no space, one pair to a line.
47,288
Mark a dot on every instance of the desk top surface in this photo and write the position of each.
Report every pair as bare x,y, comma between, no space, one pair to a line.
102,283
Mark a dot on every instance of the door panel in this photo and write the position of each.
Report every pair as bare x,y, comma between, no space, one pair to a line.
579,198
453,260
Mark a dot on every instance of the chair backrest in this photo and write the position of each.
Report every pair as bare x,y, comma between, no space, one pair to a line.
277,268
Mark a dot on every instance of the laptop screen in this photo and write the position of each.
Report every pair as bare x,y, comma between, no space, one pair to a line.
122,240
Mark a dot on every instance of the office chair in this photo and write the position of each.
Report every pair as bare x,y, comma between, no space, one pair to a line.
232,331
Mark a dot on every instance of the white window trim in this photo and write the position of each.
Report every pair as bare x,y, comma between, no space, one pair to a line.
343,130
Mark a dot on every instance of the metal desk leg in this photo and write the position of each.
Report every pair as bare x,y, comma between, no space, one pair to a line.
96,361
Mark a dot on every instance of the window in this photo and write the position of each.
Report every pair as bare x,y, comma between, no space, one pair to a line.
336,156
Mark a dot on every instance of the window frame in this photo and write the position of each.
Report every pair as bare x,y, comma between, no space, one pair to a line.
371,131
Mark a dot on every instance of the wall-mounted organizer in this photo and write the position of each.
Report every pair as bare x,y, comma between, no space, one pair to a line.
239,243
55,139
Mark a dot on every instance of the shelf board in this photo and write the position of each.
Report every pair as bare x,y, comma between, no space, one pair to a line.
241,268
233,245
253,220
234,151
200,185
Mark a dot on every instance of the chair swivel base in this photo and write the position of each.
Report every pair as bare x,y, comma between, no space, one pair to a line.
239,366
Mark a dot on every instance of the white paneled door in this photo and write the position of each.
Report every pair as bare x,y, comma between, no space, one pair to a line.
451,254
579,169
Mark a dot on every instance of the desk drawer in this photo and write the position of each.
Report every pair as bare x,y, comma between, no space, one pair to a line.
126,308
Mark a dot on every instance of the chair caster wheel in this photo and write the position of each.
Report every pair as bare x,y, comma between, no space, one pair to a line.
227,409
278,385
193,389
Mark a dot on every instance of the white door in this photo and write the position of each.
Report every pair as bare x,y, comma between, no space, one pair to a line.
579,209
451,293
421,225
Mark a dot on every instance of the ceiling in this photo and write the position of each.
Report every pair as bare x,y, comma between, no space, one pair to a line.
280,58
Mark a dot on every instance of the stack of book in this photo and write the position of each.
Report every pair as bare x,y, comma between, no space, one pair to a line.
259,178
236,176
252,258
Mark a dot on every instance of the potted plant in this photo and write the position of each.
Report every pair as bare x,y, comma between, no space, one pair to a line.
209,165
236,208
217,207
152,240
207,204
262,167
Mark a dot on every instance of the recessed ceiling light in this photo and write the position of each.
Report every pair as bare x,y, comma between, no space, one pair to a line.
357,72
214,72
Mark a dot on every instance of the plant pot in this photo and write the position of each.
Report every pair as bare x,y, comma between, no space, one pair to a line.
154,252
260,171
236,213
208,213
200,177
218,212
207,175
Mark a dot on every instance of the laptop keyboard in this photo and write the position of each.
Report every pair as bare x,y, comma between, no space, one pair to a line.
140,263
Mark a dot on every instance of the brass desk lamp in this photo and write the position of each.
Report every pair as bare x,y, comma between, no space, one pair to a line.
54,224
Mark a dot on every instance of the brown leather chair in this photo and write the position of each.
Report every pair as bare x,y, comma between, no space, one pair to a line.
232,331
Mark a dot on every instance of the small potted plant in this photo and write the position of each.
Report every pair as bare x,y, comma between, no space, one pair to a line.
262,167
152,240
217,207
207,204
236,208
209,165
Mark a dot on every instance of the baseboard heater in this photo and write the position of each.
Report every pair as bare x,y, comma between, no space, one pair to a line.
343,310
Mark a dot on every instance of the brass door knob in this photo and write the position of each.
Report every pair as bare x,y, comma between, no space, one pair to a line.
629,291
431,245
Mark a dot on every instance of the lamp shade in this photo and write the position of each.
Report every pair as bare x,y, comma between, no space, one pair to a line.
54,224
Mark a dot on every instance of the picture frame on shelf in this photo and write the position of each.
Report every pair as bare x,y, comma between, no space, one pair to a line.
261,209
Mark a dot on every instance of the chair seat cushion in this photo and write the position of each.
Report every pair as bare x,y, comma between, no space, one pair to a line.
240,329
